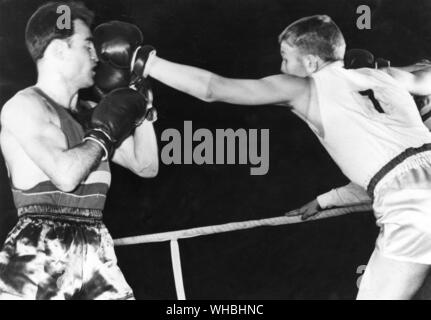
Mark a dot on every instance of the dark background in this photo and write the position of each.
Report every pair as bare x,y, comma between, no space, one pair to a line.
237,38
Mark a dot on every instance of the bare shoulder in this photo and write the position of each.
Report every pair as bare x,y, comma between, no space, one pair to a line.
290,80
289,88
25,105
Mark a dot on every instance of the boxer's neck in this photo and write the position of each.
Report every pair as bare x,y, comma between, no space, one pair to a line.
55,86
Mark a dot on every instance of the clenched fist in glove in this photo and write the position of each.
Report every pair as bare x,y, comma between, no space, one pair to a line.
122,55
115,118
122,61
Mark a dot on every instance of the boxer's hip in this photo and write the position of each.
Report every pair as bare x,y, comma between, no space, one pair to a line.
57,253
402,205
61,213
410,159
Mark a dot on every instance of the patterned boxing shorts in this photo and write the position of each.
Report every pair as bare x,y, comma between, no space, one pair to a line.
60,253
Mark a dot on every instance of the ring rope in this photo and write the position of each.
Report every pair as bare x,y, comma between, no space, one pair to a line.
176,268
233,226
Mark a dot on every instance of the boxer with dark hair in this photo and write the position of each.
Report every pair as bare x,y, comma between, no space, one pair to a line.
59,172
42,27
378,140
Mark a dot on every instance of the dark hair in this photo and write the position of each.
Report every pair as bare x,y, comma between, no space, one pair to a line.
317,35
42,27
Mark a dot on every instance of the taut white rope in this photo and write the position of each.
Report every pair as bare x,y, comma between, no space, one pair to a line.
176,267
173,236
233,226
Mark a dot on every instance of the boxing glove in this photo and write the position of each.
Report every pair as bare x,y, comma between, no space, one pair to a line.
115,118
358,58
382,63
122,58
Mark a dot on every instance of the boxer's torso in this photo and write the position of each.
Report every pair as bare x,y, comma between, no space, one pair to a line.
360,138
23,172
30,185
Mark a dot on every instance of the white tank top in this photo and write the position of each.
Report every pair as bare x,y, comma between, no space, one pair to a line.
359,138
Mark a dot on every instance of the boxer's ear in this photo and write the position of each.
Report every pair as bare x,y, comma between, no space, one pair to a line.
311,63
57,48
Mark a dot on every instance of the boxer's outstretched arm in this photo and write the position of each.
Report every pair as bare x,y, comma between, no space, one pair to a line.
26,119
207,86
414,67
417,82
139,152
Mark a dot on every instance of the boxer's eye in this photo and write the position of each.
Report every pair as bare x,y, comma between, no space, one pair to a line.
89,46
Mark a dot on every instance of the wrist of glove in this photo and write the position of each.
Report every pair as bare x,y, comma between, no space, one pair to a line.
144,88
151,115
102,139
382,63
141,62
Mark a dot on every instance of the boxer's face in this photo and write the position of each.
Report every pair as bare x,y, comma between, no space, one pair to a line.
292,60
80,58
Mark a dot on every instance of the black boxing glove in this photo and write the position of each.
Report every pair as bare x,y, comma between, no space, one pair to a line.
115,118
116,43
144,87
122,58
358,58
140,62
82,114
382,63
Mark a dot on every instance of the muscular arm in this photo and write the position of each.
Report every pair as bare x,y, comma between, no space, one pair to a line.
349,194
415,67
139,152
27,121
207,86
417,82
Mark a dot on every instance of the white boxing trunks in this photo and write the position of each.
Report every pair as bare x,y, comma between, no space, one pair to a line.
402,206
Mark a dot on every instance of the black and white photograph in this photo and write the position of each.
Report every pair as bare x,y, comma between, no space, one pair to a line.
239,151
